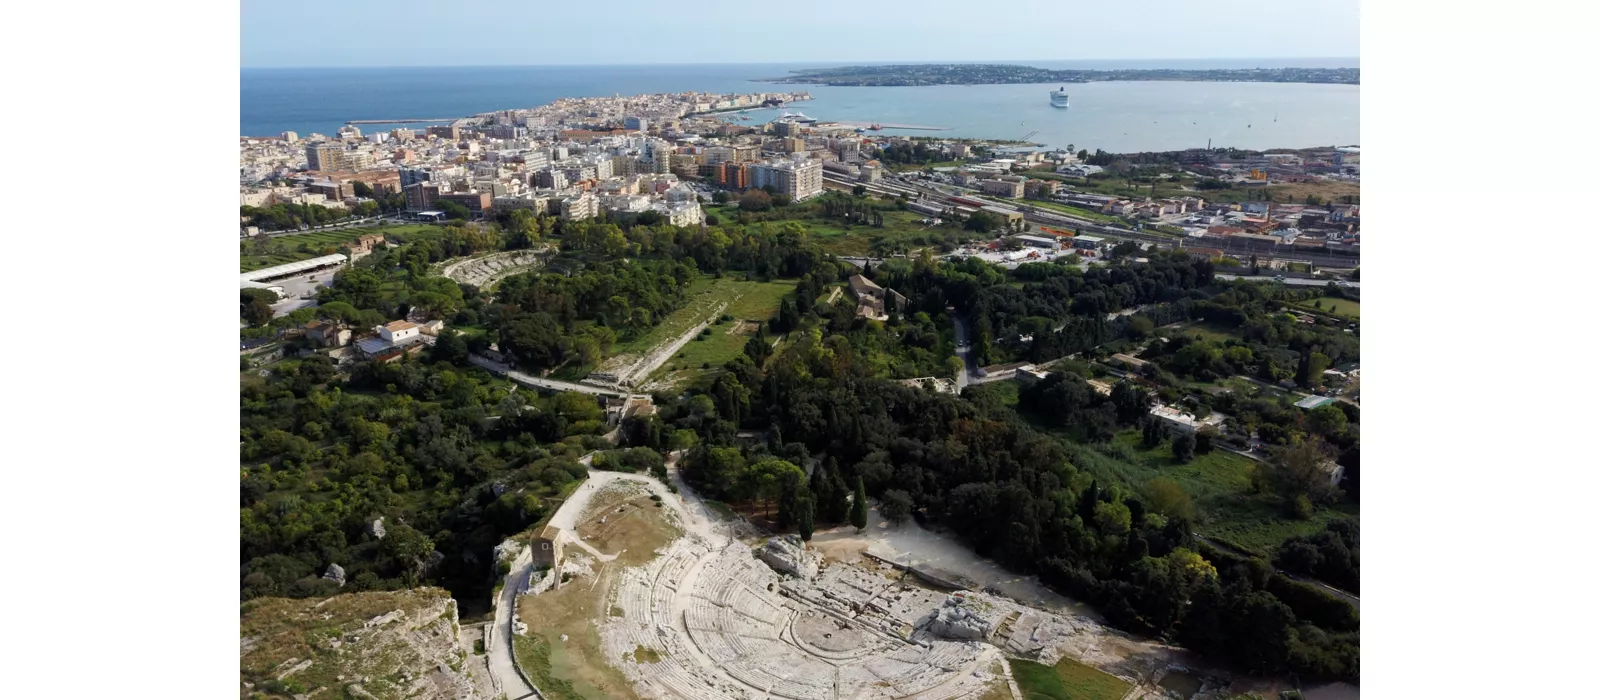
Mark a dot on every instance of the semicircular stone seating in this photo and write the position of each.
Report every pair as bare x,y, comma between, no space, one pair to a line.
724,626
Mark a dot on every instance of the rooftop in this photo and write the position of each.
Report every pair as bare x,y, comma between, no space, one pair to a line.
292,268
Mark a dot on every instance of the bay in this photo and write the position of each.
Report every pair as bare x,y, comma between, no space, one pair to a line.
1115,116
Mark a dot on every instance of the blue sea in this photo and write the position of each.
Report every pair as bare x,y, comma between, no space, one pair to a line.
1118,117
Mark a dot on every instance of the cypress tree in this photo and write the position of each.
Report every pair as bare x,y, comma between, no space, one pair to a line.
805,515
858,510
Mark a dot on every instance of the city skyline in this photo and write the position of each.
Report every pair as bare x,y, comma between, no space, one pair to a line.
370,34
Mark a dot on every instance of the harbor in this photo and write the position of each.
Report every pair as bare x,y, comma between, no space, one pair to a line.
875,126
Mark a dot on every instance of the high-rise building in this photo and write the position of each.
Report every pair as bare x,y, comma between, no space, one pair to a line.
421,196
326,157
636,124
550,179
580,206
290,136
800,179
412,176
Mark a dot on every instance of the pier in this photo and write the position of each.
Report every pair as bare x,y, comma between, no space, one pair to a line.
887,125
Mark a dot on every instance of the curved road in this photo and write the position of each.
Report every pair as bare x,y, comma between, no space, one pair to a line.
693,514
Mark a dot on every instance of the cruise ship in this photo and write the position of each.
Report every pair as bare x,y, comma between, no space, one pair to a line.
1058,98
795,117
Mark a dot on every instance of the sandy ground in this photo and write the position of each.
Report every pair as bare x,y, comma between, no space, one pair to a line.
908,543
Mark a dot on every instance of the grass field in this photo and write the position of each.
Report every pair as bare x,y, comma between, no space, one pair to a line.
1219,485
747,302
577,668
1335,306
254,255
1067,680
1207,331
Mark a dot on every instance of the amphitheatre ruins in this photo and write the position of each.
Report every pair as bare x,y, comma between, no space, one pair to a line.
722,615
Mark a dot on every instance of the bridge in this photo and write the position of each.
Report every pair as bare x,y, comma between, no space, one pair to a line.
402,121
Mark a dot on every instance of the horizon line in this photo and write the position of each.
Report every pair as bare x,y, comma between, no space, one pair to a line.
784,63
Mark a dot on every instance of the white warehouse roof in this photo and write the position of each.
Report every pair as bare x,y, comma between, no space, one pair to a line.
291,268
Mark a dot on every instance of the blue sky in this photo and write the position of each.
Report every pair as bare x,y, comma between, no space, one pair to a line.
284,33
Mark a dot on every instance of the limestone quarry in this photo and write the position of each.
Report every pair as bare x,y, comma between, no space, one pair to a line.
384,645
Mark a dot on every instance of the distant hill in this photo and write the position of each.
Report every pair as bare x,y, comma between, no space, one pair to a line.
991,74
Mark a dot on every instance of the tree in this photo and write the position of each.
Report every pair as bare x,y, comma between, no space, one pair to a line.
451,347
1132,403
453,210
362,189
833,496
895,506
535,339
755,200
858,190
1168,498
1183,448
858,508
982,222
1302,470
255,306
683,439
1326,420
1152,432
955,366
806,516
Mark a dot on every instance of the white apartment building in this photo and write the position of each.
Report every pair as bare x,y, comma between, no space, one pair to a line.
800,179
579,207
681,213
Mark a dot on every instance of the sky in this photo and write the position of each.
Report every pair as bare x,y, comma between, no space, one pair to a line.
350,33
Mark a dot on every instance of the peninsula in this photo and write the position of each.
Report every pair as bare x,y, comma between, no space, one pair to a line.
993,74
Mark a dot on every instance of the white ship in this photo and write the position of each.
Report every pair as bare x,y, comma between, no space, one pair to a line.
795,117
1058,98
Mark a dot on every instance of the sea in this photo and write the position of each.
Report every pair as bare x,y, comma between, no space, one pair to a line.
1119,117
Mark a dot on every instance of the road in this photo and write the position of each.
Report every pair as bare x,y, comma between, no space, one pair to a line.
964,351
502,663
541,382
1299,281
693,515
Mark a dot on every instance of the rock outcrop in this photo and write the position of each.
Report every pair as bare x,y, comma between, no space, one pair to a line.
335,573
389,645
788,555
954,621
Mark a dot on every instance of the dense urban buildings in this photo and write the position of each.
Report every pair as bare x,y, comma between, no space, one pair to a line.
575,158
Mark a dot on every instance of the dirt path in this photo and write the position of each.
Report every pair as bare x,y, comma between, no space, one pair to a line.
630,369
